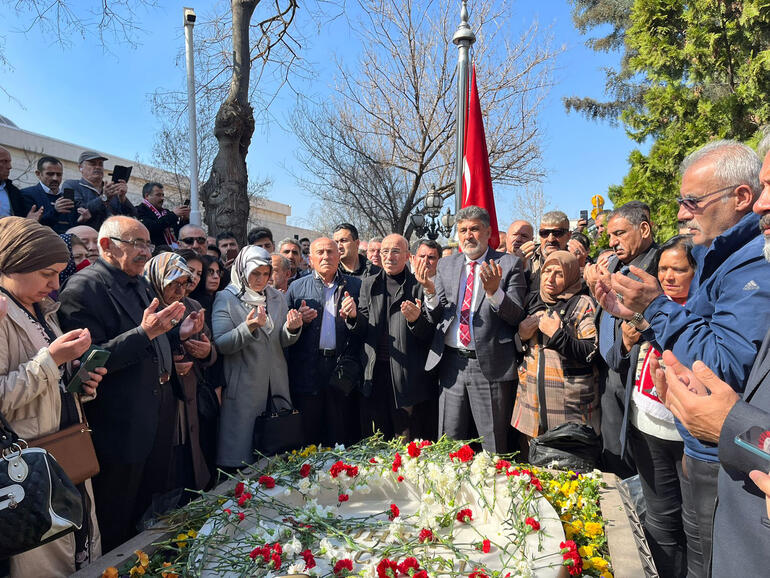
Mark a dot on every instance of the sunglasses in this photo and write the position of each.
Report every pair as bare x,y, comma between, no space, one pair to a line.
555,232
191,240
691,203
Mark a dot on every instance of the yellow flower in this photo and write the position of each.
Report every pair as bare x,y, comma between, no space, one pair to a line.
586,551
192,534
170,573
110,572
606,574
593,529
599,563
136,571
144,560
181,541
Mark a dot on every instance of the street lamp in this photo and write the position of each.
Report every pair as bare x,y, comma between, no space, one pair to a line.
189,22
426,223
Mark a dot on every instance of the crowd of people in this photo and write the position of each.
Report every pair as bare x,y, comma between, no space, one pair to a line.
501,343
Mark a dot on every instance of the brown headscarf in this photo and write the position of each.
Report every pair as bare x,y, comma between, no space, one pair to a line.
572,281
26,246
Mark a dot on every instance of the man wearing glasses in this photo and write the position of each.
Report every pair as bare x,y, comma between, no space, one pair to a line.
193,237
726,315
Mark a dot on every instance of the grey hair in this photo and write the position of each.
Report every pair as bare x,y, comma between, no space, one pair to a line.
734,163
289,241
285,263
376,240
112,227
473,212
554,218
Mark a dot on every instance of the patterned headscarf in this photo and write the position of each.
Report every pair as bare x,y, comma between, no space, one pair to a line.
247,260
572,281
71,268
164,269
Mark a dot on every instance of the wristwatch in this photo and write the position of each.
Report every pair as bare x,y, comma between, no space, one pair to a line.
104,198
636,321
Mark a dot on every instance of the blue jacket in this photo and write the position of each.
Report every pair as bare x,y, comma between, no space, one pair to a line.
303,356
726,315
59,222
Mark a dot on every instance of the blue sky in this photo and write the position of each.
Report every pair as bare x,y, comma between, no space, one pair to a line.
100,99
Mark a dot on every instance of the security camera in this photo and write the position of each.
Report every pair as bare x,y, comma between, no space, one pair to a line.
189,16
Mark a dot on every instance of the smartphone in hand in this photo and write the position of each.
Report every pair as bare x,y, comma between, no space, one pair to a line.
90,360
68,194
757,441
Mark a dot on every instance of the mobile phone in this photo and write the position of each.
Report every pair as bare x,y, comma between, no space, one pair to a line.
584,215
186,202
121,173
91,359
68,194
231,254
756,440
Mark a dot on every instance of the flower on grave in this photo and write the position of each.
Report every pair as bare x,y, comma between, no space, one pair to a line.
502,465
413,450
245,497
267,481
387,568
304,471
239,487
343,567
340,466
396,462
572,559
343,497
532,523
426,535
410,564
485,546
307,555
465,516
464,454
477,574
394,512
167,571
593,529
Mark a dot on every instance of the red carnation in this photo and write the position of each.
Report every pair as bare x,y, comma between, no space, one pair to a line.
343,498
477,574
409,564
572,559
396,462
485,546
276,560
465,516
342,567
387,569
532,523
394,512
309,559
425,443
426,535
400,478
245,497
420,574
413,450
337,469
239,489
228,511
502,465
304,471
372,460
267,481
352,471
241,516
464,454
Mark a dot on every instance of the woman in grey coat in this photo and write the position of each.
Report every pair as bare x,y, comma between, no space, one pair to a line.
252,324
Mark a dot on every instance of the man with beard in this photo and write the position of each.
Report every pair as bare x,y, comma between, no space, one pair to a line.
58,213
476,302
726,316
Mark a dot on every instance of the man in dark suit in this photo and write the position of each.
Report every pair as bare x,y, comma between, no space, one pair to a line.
162,224
59,213
329,411
11,200
476,302
114,301
397,394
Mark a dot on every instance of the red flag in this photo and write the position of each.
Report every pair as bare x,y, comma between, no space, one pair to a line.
477,182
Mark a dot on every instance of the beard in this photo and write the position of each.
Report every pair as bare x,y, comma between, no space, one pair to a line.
764,224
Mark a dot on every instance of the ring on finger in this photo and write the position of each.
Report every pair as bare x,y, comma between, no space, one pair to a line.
619,296
174,322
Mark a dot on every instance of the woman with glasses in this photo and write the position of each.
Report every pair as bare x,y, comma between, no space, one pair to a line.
170,276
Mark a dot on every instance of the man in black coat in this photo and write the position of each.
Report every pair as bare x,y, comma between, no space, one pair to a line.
163,224
128,417
11,200
398,397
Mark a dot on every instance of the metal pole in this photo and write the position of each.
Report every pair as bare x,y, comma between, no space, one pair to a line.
463,39
189,22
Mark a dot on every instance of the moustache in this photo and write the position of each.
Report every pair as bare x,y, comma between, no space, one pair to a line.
764,222
692,225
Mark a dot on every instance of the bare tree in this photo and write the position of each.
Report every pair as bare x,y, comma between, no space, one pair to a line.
387,133
529,204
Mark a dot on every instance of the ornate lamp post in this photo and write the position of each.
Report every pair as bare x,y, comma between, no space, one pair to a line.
463,39
426,223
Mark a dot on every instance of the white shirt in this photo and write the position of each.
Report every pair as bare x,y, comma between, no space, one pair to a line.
328,338
452,337
5,202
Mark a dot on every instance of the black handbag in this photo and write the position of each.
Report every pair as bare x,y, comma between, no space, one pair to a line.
348,374
569,446
38,502
278,430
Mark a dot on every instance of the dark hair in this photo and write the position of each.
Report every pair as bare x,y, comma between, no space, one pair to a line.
683,242
258,233
225,235
188,255
428,243
582,239
162,249
148,187
348,227
199,294
43,160
303,239
215,249
635,212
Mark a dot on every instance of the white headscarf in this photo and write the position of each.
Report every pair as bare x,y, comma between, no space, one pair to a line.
247,260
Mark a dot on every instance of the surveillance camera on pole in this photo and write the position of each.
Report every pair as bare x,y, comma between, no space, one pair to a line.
189,22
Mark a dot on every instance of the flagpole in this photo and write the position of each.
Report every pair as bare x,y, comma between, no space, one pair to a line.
463,39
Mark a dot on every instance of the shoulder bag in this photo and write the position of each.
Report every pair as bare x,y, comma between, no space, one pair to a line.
278,430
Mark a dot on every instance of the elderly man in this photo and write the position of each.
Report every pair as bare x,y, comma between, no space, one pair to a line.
476,303
59,213
726,315
89,236
193,237
163,224
519,233
398,395
373,251
279,278
129,417
351,262
11,199
324,364
102,199
554,234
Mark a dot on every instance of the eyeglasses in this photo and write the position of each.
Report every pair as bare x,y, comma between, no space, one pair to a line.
178,285
136,243
192,240
691,203
555,232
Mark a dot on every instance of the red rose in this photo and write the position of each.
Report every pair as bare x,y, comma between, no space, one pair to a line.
396,462
532,523
309,559
343,498
267,481
409,564
239,489
387,569
342,567
304,471
394,512
465,516
464,454
426,535
413,450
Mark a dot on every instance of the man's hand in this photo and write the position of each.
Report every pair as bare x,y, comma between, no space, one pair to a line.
528,249
35,213
192,325
156,323
549,323
608,299
697,397
70,346
63,205
630,335
348,307
256,318
411,311
182,367
593,273
198,348
636,295
763,483
421,273
85,215
182,211
307,312
528,327
293,320
110,189
490,274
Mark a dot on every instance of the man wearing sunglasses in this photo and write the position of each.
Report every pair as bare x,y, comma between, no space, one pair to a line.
726,315
193,237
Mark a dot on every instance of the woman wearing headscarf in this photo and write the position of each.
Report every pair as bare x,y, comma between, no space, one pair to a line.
169,276
560,342
252,324
34,364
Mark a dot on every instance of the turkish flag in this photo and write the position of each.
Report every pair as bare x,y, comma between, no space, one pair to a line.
477,182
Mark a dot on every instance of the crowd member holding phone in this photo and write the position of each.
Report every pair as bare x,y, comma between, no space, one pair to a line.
35,357
252,325
163,224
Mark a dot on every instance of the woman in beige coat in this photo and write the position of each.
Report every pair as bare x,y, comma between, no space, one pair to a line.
33,355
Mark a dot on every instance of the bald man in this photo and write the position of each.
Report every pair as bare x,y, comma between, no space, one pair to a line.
519,232
399,398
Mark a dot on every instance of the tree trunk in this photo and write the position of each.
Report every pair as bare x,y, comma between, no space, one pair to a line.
225,200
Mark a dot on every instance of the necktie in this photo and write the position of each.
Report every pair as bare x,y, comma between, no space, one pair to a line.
465,312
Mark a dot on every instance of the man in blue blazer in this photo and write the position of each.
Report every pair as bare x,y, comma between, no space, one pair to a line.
476,301
58,213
